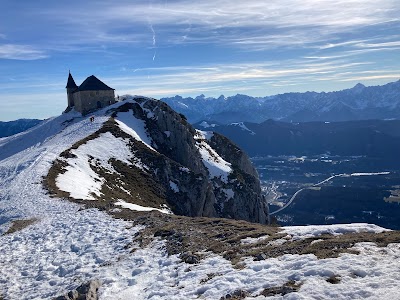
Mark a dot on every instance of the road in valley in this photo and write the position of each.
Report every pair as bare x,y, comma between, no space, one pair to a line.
323,182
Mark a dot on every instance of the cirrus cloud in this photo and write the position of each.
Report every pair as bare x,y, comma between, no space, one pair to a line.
20,52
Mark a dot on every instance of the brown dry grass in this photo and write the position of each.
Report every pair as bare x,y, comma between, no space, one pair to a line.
223,236
18,225
289,287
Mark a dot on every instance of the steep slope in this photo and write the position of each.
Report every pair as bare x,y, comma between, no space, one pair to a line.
357,103
148,155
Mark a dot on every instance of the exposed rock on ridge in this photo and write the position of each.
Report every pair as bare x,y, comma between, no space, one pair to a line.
181,169
86,291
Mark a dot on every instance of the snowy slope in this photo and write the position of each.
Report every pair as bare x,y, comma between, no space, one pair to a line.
68,246
79,180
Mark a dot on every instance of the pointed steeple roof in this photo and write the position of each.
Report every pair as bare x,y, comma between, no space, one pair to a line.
92,83
71,82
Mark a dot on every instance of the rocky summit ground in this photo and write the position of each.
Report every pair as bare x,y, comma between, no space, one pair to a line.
176,257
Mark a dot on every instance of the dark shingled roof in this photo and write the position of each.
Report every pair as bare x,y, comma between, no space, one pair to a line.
92,83
71,83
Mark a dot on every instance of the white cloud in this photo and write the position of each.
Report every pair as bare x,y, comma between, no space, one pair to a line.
379,45
20,52
258,13
255,24
252,78
394,76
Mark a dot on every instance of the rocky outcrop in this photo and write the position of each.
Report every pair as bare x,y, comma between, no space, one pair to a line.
191,172
87,291
231,152
247,181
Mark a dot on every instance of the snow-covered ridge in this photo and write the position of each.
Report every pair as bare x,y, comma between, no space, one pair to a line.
79,179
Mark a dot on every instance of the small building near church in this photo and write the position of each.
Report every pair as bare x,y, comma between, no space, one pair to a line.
92,94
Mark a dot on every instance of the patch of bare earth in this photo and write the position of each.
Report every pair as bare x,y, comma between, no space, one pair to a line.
18,225
236,295
289,287
334,279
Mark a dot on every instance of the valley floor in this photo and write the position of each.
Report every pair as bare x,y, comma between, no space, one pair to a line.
149,255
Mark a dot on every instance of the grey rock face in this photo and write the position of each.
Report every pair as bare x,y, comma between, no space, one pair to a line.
87,291
190,258
245,200
181,163
232,153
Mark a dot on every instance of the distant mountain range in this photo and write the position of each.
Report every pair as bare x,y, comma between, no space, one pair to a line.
357,103
17,126
373,138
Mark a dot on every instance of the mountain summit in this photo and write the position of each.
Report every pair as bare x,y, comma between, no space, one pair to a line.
146,156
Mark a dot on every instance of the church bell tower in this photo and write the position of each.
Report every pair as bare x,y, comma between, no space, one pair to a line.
71,88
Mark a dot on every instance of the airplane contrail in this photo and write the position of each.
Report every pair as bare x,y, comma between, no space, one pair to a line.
154,34
154,39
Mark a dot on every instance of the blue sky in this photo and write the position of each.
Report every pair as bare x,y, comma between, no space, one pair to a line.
212,47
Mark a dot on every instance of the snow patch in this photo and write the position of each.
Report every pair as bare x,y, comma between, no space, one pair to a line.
150,114
229,193
79,180
370,174
184,169
250,240
183,105
174,186
243,127
134,127
205,135
136,207
216,165
204,124
303,232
